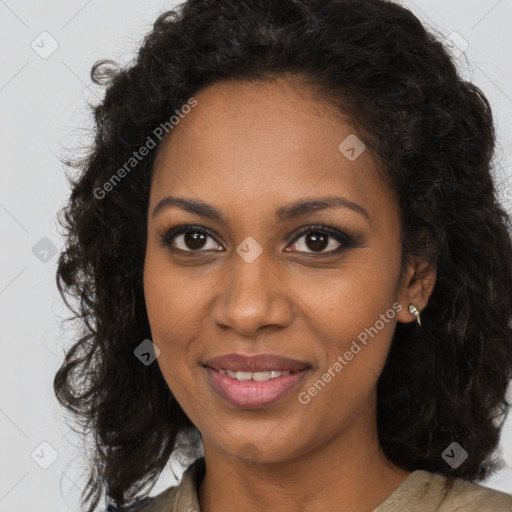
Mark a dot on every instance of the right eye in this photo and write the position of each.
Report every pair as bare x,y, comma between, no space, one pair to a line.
191,239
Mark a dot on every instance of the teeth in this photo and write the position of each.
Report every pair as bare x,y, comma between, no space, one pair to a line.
261,376
257,376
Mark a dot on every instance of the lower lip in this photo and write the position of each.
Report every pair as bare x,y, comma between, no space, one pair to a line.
251,394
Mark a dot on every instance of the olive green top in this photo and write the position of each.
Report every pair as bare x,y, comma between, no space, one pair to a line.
421,491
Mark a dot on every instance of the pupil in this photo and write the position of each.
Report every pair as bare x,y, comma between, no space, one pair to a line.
314,240
317,238
194,240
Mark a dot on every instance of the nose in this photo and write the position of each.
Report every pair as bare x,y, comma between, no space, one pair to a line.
252,296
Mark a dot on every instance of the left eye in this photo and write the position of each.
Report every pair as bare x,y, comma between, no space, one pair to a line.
318,241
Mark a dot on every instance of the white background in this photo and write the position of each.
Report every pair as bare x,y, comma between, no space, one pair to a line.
42,104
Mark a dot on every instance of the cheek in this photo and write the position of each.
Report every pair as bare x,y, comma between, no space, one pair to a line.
345,382
358,311
175,304
352,298
170,295
166,310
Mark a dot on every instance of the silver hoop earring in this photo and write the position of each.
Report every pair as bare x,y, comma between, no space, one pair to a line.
416,312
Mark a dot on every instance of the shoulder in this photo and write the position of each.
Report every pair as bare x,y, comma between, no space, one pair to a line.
423,491
139,505
159,503
470,496
178,497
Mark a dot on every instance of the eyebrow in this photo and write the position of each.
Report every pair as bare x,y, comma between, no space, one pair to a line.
283,213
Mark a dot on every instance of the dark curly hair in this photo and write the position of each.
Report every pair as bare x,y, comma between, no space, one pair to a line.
434,137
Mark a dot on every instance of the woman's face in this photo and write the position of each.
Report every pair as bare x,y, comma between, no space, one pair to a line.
254,284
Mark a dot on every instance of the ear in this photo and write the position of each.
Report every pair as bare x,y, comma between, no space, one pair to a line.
416,287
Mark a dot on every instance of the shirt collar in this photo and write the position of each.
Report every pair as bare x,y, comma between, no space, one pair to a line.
186,499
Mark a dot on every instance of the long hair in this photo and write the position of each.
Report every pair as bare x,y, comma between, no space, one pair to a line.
433,135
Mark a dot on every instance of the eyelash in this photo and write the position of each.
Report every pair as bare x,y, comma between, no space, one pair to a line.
346,241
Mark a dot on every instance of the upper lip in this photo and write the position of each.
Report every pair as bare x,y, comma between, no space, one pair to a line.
255,363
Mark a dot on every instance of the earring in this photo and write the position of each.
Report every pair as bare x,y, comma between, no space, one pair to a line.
416,312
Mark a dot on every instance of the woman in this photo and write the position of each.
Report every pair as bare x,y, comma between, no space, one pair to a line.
288,252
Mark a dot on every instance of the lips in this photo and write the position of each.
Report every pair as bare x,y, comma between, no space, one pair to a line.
250,394
256,363
250,382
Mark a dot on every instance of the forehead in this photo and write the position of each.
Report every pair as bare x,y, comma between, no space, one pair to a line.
252,144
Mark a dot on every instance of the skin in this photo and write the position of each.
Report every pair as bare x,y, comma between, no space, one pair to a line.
248,149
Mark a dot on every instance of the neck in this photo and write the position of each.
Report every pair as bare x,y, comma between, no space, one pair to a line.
348,473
